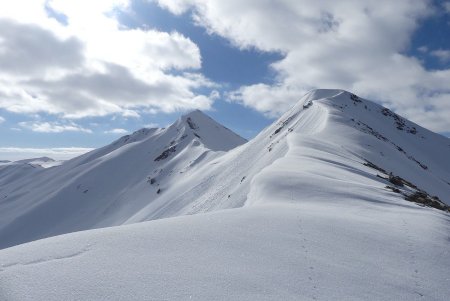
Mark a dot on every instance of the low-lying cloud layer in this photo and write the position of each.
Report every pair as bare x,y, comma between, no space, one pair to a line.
58,153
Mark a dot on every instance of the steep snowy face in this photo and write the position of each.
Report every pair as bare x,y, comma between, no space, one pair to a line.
109,185
332,145
208,132
11,171
194,126
345,147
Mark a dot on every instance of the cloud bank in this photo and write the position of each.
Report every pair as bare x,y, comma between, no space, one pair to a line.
354,45
117,131
74,59
53,127
59,153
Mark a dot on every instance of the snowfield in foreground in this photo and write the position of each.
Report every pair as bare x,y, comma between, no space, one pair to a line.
309,251
340,199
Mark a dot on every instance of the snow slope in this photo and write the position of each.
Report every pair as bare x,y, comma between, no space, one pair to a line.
107,186
11,171
320,148
306,251
324,206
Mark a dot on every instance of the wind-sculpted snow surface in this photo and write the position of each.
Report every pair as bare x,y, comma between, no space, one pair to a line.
329,145
307,251
340,199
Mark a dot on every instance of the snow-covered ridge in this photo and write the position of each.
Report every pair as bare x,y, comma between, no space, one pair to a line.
107,186
44,162
328,128
334,140
331,142
339,199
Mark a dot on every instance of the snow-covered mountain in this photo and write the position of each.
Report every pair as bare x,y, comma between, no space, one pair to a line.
109,185
32,161
10,171
330,143
340,199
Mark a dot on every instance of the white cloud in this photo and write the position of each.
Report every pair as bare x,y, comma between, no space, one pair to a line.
131,114
2,119
92,66
423,49
270,100
442,55
214,95
446,6
351,44
58,153
151,125
53,127
177,7
116,131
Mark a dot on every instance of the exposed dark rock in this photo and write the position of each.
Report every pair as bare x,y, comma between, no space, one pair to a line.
421,197
165,154
412,130
396,180
386,112
365,128
283,124
369,130
191,124
418,196
400,123
409,184
420,164
355,98
307,105
371,165
381,177
396,190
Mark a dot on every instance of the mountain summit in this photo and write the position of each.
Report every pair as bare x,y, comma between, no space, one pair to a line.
107,186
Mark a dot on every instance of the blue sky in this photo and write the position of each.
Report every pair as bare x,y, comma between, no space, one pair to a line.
119,65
